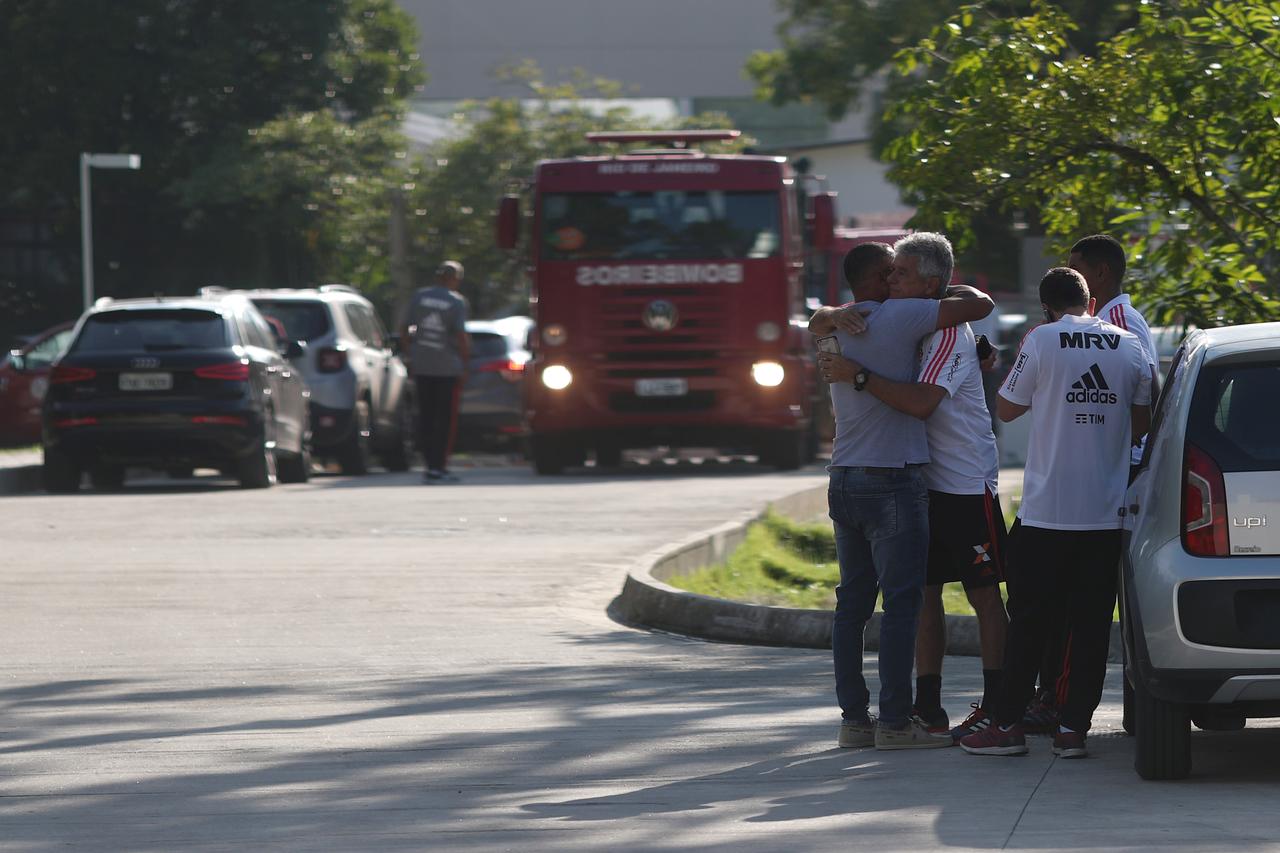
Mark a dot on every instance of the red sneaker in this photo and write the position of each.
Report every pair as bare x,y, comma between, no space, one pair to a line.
993,741
976,722
1069,745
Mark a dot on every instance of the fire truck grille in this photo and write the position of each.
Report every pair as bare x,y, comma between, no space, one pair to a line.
647,372
701,328
695,401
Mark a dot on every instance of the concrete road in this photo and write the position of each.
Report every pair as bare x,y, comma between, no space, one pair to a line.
369,664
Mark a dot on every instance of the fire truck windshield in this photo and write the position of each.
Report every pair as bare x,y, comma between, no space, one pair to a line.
677,224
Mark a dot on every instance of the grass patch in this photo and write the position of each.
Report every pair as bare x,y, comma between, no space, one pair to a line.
789,564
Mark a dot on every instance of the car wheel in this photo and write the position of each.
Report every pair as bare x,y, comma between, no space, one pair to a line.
258,469
399,456
295,467
107,478
1163,749
608,456
353,458
549,456
1127,721
61,474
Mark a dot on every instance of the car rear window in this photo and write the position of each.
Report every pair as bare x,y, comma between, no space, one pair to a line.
303,321
1234,415
488,345
152,331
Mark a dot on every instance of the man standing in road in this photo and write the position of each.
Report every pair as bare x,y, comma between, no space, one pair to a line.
1087,385
877,498
966,525
1101,260
435,332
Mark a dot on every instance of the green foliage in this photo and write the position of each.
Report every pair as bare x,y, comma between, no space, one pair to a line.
832,48
453,193
1165,136
243,114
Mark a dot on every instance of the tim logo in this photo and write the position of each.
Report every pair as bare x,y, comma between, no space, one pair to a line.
1089,418
1087,340
1092,387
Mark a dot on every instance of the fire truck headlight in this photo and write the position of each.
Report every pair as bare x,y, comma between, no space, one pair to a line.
554,335
768,332
767,373
556,377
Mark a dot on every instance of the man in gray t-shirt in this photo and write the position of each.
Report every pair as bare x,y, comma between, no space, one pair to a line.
877,499
433,330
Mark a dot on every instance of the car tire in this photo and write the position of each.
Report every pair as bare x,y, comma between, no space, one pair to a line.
354,456
399,457
107,478
550,456
258,469
1163,748
61,474
608,456
294,467
1127,721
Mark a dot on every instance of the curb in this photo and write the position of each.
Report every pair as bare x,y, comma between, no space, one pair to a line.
647,601
20,479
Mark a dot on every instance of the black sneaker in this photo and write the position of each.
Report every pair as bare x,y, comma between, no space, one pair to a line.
1041,717
936,722
434,477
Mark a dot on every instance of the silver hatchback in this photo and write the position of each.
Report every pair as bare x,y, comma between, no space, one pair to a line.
362,401
1200,582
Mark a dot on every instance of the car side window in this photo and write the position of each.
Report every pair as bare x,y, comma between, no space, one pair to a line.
358,324
1162,404
255,334
43,353
377,333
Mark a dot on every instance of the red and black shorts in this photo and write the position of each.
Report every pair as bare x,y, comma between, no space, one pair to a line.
966,539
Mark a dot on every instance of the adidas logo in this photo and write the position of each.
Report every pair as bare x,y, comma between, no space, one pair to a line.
1091,387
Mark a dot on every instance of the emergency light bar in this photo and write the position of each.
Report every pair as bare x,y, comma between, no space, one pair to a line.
676,138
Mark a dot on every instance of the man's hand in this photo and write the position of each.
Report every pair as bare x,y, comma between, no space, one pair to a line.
850,319
836,368
826,320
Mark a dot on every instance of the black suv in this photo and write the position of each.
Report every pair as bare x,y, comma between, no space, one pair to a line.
175,384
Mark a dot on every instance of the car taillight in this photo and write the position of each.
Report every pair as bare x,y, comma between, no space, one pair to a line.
219,420
331,359
71,423
1204,505
231,371
66,373
510,369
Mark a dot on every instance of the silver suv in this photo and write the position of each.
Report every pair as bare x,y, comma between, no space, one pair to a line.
1200,582
361,395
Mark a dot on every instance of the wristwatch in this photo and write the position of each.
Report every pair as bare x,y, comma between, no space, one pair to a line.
860,379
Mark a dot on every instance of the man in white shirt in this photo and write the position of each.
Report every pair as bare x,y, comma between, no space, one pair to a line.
966,525
1088,388
1101,260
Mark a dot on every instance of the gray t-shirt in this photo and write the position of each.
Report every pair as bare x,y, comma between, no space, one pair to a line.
439,314
869,432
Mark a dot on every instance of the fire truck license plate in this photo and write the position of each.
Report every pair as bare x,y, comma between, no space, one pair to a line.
662,387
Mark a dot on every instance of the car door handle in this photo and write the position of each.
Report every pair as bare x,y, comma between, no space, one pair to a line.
272,369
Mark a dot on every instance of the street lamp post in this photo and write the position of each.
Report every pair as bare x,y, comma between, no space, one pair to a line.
99,161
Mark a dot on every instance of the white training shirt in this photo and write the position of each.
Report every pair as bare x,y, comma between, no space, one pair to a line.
962,445
1080,376
1120,312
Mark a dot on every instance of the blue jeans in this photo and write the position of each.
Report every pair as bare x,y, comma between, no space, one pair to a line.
881,518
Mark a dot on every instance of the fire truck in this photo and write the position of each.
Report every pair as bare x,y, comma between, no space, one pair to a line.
668,295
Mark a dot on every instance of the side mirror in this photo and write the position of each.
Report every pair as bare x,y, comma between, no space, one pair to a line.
508,224
824,220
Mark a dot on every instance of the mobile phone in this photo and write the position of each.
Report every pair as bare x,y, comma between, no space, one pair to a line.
984,347
828,344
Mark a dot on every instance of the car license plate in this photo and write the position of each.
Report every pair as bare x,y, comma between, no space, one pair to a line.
146,381
662,387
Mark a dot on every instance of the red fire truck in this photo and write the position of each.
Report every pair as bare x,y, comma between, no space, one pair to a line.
668,295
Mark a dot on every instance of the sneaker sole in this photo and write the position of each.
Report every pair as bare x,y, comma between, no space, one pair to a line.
859,745
995,750
1073,752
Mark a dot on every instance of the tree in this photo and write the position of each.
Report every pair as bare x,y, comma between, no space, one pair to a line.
1166,136
458,185
832,48
205,91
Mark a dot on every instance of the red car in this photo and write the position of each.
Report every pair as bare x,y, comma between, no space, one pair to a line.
24,377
